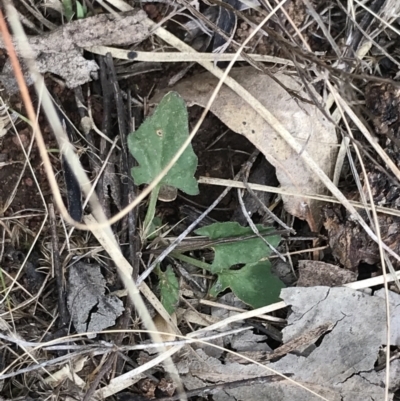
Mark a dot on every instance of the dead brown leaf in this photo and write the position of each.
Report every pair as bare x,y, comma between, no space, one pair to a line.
305,121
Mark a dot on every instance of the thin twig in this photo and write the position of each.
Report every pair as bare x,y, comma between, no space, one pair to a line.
132,190
266,210
265,188
103,371
254,227
64,317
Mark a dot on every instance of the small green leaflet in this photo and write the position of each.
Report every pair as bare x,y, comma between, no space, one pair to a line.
68,9
158,139
81,10
253,283
243,251
169,289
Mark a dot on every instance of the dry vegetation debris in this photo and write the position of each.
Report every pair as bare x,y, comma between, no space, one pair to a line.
310,109
339,367
303,120
60,51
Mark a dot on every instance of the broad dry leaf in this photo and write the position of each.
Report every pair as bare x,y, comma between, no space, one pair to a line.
166,332
305,121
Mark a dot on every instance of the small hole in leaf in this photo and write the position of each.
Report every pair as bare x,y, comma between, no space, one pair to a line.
237,267
159,132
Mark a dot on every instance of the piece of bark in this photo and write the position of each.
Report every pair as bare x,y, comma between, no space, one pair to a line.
90,308
297,344
60,51
313,273
350,244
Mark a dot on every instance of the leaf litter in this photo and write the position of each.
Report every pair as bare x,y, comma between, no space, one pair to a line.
305,121
323,324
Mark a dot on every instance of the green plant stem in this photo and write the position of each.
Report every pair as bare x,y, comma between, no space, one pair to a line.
3,288
192,261
151,210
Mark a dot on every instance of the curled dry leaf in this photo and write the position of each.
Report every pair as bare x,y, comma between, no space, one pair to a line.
305,121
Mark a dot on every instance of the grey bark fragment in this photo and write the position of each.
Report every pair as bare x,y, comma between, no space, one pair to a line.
90,308
61,51
340,368
314,273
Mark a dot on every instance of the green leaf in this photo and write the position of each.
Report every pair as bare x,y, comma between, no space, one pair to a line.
68,9
157,140
243,251
81,10
254,284
169,289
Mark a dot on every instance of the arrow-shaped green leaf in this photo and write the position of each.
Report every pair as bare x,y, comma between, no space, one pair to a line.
245,251
254,284
158,139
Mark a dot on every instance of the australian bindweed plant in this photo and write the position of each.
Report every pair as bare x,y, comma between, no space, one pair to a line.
241,264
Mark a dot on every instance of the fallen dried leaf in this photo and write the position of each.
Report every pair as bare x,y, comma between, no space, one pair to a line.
305,121
164,328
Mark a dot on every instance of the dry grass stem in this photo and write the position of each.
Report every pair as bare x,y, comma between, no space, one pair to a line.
180,57
265,188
